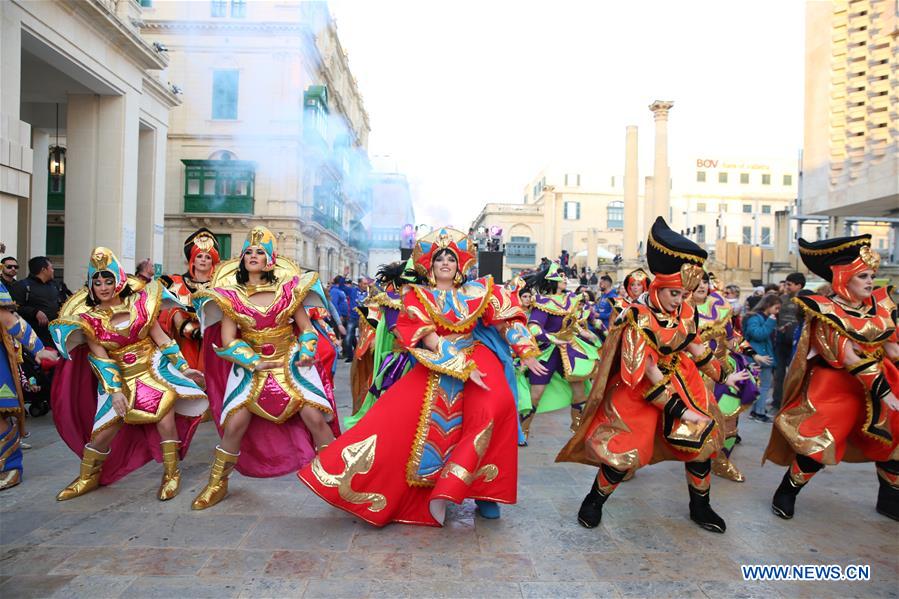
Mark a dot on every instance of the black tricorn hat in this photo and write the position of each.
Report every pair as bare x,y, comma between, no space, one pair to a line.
203,237
667,251
819,256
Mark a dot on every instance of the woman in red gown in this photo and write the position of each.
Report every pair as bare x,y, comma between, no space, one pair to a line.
448,429
840,394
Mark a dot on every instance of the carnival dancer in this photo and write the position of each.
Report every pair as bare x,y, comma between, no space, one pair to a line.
390,360
201,250
447,430
266,395
840,393
568,351
716,329
15,335
143,400
326,350
649,402
635,284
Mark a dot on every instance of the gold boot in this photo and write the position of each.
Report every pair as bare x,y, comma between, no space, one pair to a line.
171,473
217,487
577,410
723,467
89,477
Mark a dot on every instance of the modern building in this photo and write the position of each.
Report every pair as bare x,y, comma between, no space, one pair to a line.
84,132
850,161
391,212
576,209
272,130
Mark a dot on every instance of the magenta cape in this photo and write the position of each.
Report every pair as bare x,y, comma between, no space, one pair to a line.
267,449
73,399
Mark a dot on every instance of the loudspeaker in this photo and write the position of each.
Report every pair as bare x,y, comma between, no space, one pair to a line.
491,263
405,254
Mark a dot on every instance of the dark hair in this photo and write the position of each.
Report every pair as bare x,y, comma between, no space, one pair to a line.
440,254
125,292
606,278
590,294
5,258
797,278
771,287
37,264
766,302
243,275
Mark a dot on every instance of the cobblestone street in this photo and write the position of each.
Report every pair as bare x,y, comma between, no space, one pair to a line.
274,538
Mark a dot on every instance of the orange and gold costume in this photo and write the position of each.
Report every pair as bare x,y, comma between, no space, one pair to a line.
843,369
629,421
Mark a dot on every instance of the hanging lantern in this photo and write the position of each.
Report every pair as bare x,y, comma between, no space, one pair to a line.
57,161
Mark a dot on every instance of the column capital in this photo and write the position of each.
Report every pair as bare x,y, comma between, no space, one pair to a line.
660,109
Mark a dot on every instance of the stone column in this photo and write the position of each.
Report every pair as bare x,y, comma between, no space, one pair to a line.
629,251
101,180
782,236
661,176
37,206
648,212
150,210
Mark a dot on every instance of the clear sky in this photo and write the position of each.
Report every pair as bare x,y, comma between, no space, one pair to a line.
472,98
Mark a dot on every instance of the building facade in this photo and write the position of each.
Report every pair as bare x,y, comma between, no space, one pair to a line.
850,161
80,85
712,198
391,212
272,131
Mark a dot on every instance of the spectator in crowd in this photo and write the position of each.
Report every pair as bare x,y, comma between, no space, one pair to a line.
759,327
9,271
787,323
349,341
594,280
771,288
37,297
340,301
606,293
563,259
753,299
145,270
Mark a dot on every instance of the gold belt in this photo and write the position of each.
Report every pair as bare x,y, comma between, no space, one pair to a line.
271,343
135,358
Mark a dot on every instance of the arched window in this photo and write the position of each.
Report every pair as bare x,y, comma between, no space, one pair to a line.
615,215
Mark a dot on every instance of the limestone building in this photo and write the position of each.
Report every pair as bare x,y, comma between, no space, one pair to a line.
391,211
851,145
272,130
583,212
80,95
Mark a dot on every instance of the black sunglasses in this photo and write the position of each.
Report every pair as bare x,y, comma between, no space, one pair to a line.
16,266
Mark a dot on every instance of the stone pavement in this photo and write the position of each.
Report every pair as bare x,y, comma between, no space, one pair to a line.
273,538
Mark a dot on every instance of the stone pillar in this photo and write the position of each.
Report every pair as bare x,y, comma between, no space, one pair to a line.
150,213
101,180
782,236
648,213
37,206
661,177
837,226
631,182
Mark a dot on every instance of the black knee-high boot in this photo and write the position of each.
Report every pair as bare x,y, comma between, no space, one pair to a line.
888,495
797,476
605,482
699,483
